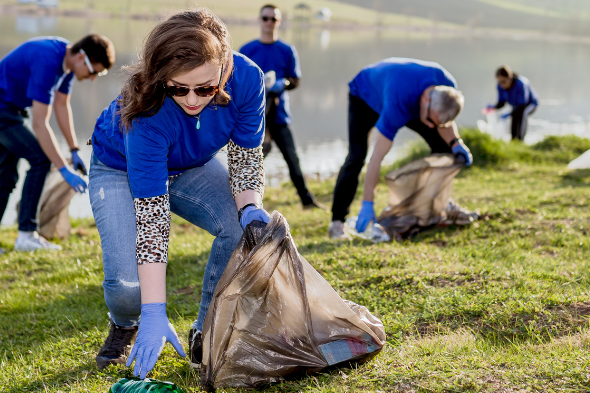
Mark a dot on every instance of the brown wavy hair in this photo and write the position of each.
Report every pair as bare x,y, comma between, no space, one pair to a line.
179,44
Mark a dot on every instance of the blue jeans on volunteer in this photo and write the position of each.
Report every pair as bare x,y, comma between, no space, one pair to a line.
166,164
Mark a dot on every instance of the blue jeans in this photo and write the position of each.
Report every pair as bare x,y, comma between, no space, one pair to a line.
201,196
18,141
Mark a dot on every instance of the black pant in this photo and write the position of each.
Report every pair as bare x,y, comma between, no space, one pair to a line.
361,118
520,116
283,137
18,141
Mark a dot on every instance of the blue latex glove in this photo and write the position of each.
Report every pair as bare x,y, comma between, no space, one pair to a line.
77,163
252,213
366,215
74,180
505,116
279,86
461,150
154,330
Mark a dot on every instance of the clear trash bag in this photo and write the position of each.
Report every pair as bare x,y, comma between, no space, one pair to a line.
374,232
273,316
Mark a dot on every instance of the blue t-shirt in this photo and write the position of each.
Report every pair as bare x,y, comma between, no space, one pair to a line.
281,58
521,93
33,71
392,88
168,142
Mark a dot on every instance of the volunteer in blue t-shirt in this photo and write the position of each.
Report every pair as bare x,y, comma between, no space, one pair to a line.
39,74
517,91
388,95
155,152
280,63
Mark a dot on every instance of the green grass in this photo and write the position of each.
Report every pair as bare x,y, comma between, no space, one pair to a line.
247,10
502,306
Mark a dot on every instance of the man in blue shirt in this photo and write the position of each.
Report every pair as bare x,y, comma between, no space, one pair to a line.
515,90
279,59
39,74
388,95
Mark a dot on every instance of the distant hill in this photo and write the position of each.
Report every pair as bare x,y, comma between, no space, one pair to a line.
551,16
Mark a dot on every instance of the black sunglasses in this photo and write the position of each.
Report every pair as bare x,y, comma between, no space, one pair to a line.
267,18
181,91
201,91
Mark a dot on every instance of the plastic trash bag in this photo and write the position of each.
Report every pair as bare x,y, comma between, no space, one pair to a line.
374,232
582,162
494,124
419,195
54,215
54,205
273,316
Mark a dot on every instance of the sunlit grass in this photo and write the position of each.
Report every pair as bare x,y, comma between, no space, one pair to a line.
501,306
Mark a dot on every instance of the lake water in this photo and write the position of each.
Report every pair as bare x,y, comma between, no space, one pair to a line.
558,71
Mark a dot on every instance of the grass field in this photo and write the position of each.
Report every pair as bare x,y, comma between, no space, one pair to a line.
502,306
246,10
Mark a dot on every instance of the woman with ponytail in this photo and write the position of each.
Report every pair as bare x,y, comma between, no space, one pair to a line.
154,152
517,91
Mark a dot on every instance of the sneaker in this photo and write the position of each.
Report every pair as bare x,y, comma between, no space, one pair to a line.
117,346
338,231
195,348
31,241
459,216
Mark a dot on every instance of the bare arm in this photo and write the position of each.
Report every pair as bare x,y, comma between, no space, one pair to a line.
152,282
449,133
248,196
63,115
45,135
382,146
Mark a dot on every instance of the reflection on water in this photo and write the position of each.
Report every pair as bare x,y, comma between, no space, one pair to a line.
329,59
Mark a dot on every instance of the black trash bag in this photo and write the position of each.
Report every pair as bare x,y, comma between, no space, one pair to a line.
273,316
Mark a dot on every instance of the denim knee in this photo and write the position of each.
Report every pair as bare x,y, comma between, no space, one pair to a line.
123,300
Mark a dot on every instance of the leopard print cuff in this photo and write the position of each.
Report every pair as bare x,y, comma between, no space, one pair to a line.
152,216
246,170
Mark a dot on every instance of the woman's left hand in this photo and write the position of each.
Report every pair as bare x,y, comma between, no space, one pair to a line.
154,330
253,213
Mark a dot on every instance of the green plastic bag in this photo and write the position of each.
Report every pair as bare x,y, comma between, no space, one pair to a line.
136,385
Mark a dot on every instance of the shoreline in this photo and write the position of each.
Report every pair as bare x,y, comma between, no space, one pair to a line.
434,28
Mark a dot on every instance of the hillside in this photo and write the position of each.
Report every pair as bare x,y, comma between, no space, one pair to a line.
563,17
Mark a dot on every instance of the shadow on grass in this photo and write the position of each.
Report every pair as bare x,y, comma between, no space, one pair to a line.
576,178
539,326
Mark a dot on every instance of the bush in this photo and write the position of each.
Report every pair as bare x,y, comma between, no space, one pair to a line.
491,152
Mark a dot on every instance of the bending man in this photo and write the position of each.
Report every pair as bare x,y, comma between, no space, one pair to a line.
39,74
388,95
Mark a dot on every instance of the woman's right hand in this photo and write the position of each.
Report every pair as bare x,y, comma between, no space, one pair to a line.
253,213
154,330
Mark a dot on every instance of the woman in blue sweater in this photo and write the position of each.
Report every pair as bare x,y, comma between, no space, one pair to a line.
154,152
517,91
